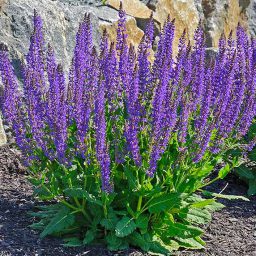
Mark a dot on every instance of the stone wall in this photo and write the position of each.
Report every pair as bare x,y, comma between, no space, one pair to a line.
61,19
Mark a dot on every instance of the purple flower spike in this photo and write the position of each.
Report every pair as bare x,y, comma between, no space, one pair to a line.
101,143
132,126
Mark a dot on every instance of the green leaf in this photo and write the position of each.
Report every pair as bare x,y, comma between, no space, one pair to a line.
136,239
89,236
181,230
43,193
245,173
252,155
215,206
115,243
35,181
203,203
228,197
142,222
42,214
164,202
80,193
190,243
252,131
72,242
224,171
39,225
62,219
198,216
110,222
158,246
125,227
132,180
252,187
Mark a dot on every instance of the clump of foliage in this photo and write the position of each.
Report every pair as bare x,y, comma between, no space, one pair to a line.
121,148
247,169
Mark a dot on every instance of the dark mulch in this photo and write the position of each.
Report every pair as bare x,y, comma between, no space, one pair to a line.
231,232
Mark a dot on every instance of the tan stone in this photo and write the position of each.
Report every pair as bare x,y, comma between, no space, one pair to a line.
185,14
134,8
222,16
134,33
232,15
3,139
2,4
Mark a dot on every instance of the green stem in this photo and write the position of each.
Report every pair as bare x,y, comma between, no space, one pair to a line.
77,209
69,205
210,182
85,183
86,215
139,204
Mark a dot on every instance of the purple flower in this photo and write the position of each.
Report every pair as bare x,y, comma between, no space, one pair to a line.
12,105
61,112
121,30
132,126
101,143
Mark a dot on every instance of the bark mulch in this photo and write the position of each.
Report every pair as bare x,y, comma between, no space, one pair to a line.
231,232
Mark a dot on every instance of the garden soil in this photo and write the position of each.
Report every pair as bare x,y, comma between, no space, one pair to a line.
231,232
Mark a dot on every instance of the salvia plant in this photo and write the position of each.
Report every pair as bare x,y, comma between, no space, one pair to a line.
246,171
120,146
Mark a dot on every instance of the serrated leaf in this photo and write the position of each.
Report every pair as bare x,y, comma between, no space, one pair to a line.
223,172
43,193
198,216
252,131
245,172
164,202
34,181
203,203
72,242
89,236
159,247
138,240
132,180
62,219
110,222
50,207
125,227
252,155
38,225
142,222
252,187
80,193
215,206
115,243
42,214
190,243
230,197
182,230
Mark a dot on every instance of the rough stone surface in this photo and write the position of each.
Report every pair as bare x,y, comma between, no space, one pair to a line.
3,139
185,14
134,8
61,19
222,16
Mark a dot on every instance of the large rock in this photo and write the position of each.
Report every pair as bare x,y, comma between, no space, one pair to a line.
61,20
250,7
3,139
185,14
223,16
134,8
